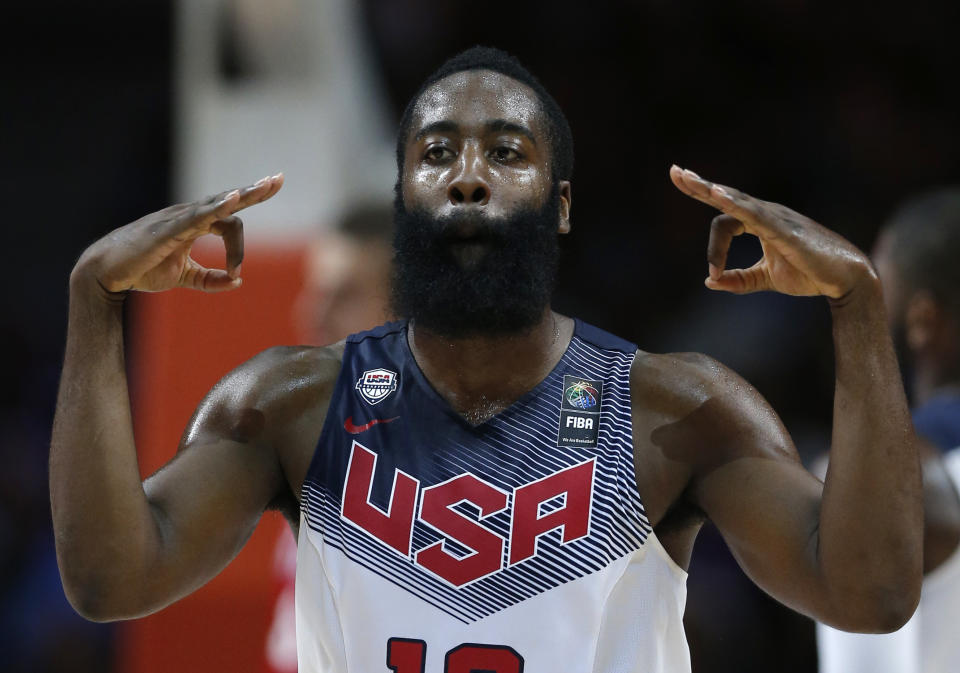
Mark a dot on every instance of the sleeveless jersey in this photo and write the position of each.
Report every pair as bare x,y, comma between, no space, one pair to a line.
430,545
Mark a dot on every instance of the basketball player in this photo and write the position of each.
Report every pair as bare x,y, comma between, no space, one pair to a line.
915,257
486,484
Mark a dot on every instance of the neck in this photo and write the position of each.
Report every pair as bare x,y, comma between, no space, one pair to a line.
480,376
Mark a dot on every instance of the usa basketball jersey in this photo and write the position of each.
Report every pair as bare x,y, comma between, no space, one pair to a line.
430,545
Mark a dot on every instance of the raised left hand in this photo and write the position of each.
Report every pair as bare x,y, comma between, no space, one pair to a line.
800,257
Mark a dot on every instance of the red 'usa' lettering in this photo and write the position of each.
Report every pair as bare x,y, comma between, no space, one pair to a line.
435,509
395,526
576,483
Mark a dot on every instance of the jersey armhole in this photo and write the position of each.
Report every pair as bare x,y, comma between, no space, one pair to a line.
332,405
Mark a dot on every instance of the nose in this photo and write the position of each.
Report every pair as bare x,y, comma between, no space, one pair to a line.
469,186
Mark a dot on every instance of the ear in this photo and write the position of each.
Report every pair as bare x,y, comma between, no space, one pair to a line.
565,199
922,319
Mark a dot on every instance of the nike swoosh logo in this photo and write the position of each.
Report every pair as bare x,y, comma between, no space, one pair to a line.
357,429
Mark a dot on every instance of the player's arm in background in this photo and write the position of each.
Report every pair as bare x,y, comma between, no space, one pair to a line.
847,552
127,548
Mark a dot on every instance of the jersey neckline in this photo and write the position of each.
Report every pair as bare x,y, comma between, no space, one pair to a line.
448,410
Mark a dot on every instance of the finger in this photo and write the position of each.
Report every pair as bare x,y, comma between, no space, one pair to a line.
260,191
198,277
197,219
754,213
741,281
231,230
718,196
222,205
275,185
722,230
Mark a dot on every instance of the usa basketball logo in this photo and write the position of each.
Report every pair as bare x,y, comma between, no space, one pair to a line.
376,385
582,395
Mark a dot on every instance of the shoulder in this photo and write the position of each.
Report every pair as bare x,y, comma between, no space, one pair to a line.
677,383
699,409
283,372
276,387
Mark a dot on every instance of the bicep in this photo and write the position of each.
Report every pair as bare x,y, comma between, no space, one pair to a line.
748,479
208,499
207,502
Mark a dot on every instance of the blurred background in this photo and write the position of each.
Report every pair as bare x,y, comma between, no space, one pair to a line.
114,109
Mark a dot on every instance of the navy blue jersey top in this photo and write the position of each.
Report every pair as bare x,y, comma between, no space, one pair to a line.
519,539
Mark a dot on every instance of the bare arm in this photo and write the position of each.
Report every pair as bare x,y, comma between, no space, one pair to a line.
851,555
125,549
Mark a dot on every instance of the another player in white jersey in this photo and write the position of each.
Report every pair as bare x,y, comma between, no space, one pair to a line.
546,523
916,258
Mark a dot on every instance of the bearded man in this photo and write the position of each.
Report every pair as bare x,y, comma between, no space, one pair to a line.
487,485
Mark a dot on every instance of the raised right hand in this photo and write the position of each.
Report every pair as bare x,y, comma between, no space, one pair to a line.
152,254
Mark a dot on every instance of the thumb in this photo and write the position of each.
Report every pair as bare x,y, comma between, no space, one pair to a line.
199,277
739,281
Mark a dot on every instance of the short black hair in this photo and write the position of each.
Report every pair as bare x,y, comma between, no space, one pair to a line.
925,246
559,136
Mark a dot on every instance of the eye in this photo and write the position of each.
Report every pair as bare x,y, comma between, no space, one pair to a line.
437,154
505,154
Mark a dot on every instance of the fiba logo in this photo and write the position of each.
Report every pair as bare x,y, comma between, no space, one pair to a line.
580,402
376,385
582,395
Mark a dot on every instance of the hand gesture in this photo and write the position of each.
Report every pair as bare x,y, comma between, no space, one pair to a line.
800,257
153,253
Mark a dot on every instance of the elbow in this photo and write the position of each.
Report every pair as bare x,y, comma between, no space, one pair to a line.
896,610
109,593
890,616
881,611
97,591
90,599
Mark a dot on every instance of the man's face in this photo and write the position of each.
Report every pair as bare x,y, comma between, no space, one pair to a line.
479,213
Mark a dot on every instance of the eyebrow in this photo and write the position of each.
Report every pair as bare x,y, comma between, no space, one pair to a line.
494,126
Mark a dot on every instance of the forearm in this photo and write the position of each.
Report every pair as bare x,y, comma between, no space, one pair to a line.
871,519
104,529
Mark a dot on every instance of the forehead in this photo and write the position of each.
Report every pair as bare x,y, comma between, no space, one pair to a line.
475,96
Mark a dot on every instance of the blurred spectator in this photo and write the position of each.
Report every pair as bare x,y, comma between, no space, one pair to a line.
347,276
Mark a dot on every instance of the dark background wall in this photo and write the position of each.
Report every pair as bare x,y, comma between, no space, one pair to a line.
839,111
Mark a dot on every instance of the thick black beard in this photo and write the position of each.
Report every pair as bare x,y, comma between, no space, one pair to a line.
504,292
